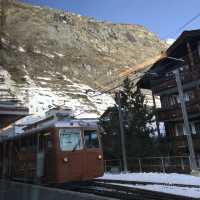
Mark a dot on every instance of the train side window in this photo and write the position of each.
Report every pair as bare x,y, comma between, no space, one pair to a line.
48,141
91,139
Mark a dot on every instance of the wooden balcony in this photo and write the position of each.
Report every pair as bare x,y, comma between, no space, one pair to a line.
165,83
174,113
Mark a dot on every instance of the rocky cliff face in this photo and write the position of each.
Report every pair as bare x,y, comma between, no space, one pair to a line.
57,58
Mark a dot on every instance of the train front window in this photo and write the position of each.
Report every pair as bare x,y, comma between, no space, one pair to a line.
91,139
70,140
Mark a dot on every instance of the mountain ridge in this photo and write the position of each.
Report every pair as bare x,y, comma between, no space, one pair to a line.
64,55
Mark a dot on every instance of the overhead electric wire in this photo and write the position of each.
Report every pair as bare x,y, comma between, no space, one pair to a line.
189,21
185,24
135,72
107,91
115,87
124,71
135,78
179,29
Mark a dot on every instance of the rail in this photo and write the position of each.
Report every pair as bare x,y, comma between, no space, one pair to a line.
119,191
145,183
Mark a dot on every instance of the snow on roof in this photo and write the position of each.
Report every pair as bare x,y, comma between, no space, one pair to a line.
44,123
92,123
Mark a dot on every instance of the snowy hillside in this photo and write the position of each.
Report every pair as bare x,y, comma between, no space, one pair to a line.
82,99
51,57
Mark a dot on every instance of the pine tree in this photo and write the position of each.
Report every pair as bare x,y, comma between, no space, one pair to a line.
137,118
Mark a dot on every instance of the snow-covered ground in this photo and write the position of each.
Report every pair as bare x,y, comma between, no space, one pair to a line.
182,191
172,178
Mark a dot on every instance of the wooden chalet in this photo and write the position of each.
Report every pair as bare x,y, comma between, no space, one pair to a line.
161,81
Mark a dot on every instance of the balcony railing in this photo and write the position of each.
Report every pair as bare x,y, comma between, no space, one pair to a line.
165,83
175,112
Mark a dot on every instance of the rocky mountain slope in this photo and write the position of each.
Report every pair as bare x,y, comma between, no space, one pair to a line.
52,57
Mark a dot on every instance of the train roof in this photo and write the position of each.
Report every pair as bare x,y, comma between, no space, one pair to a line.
44,124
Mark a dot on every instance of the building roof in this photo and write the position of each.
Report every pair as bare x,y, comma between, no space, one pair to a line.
180,41
16,130
177,50
163,65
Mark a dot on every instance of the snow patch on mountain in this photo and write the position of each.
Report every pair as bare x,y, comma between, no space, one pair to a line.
39,97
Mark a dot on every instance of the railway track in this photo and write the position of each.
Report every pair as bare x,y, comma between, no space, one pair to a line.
123,192
109,188
144,183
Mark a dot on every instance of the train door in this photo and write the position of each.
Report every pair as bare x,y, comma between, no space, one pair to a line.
44,156
93,154
71,146
49,164
40,157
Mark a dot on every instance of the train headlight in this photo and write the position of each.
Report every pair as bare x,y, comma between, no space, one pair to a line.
99,157
66,160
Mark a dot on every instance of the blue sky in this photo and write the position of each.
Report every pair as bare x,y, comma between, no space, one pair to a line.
164,17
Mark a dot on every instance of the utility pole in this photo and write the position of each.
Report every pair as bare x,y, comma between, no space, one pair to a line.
123,146
193,164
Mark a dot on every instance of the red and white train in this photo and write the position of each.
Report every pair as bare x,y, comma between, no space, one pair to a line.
53,150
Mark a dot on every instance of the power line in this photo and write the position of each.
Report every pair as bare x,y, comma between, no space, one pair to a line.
125,73
133,79
179,29
185,24
189,21
107,91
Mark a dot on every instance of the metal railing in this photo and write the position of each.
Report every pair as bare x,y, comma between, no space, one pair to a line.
165,164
